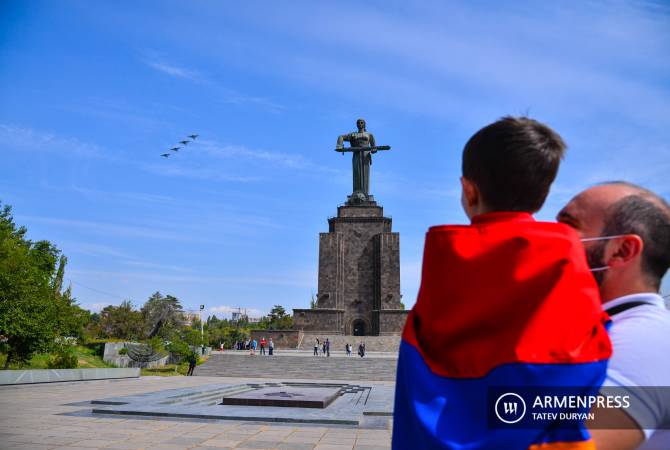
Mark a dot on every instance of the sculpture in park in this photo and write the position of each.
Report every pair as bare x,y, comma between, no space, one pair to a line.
362,146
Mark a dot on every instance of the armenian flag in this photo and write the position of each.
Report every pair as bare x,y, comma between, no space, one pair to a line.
505,301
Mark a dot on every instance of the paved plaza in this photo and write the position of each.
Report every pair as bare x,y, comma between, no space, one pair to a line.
58,416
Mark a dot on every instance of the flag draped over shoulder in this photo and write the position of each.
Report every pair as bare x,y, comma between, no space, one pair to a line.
506,301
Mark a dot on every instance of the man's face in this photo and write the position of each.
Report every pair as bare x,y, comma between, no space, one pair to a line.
586,214
360,124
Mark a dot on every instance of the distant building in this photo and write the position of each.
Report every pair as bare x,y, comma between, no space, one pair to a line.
241,314
190,317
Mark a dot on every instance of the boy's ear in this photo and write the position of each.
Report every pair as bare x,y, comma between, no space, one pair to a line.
470,197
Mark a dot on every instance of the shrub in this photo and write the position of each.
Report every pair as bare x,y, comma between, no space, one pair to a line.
123,351
64,358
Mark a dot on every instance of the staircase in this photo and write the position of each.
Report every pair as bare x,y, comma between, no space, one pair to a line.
299,366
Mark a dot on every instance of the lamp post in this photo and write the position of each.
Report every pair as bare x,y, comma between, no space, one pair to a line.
202,329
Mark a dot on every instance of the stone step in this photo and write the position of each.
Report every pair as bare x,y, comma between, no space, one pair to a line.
299,367
338,341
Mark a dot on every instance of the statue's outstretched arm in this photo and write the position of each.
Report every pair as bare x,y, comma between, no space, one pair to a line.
341,139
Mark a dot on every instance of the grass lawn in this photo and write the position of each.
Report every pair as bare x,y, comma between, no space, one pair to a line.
89,360
86,358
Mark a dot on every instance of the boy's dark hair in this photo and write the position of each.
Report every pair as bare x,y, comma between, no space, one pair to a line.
513,162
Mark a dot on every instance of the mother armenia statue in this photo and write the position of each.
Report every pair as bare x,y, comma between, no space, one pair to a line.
362,147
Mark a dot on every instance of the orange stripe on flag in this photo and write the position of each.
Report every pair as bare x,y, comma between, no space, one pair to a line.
578,445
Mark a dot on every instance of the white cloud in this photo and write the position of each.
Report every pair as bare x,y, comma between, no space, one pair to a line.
226,94
106,228
30,140
95,307
288,160
228,310
89,249
290,280
196,173
174,70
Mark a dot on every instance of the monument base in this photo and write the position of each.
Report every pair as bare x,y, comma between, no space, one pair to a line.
313,397
360,199
359,274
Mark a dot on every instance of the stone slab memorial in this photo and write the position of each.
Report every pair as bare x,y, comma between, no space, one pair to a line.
316,397
360,405
359,259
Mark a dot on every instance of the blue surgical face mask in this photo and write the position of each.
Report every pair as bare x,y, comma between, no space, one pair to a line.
601,238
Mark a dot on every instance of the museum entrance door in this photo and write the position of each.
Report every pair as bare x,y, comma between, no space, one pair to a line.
358,328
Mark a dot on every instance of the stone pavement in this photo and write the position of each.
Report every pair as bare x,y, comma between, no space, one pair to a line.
291,365
42,416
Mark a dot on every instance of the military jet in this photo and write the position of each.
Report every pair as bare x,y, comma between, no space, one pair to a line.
165,155
193,136
175,149
184,142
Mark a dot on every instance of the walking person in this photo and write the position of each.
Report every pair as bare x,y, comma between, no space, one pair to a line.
271,347
327,347
323,350
316,347
263,344
346,349
192,361
253,345
361,349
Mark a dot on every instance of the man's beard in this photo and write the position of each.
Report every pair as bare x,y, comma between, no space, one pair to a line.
594,258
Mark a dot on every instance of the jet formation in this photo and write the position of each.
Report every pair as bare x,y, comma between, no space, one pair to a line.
184,143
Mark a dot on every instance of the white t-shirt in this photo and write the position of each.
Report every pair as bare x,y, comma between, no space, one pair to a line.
641,357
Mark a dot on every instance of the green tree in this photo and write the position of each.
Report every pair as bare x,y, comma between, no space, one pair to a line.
70,318
279,319
162,315
27,315
122,322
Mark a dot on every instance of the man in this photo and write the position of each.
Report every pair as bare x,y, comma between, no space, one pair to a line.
192,359
626,233
263,344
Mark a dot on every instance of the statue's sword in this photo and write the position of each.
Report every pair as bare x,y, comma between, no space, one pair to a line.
363,149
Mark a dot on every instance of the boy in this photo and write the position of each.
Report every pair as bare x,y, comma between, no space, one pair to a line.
505,301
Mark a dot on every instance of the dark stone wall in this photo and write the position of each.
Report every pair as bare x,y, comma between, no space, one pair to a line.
318,320
387,276
392,321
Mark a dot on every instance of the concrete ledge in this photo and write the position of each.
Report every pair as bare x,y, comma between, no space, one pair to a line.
58,375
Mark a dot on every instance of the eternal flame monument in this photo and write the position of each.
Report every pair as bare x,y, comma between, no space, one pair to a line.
359,259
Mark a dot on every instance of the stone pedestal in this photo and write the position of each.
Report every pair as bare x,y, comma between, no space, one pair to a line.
359,275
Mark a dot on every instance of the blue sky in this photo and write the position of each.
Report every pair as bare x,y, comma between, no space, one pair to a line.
92,92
